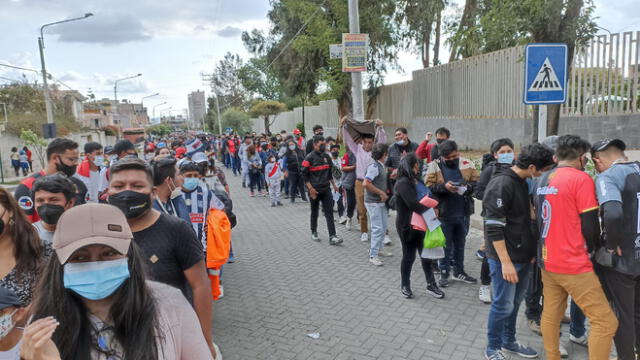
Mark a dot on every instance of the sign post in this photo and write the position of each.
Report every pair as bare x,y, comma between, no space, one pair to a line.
545,79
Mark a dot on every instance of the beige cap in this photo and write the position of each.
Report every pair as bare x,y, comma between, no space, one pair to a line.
91,224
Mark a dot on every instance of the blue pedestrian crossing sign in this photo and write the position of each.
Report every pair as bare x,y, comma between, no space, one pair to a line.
545,73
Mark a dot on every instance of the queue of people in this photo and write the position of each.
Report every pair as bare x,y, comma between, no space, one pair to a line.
136,245
99,261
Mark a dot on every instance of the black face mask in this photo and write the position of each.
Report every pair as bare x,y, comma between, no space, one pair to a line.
64,168
452,163
322,148
321,133
50,213
440,141
335,154
132,203
1,226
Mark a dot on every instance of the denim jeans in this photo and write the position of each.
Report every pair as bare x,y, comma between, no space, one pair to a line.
377,213
576,327
455,231
501,326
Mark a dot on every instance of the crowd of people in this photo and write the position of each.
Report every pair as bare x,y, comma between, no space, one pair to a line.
116,252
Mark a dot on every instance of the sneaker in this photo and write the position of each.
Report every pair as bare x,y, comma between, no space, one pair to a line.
534,326
434,290
376,261
563,352
315,237
480,254
273,204
244,185
518,349
494,355
582,340
444,279
342,220
252,194
385,253
231,259
221,292
335,240
279,203
387,240
465,278
406,292
484,294
348,224
364,237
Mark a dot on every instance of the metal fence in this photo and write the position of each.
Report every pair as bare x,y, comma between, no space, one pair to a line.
605,76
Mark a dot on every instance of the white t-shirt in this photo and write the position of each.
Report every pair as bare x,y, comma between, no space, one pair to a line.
13,354
45,235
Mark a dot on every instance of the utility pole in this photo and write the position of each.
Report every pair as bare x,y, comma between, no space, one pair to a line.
2,125
215,96
356,77
47,96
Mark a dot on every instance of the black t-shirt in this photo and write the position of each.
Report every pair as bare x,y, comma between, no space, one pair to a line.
169,247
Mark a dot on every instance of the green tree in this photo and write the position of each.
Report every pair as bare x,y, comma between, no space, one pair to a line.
268,110
490,25
160,130
225,81
35,142
236,119
303,31
420,17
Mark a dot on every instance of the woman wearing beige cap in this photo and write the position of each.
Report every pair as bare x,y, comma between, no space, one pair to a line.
96,304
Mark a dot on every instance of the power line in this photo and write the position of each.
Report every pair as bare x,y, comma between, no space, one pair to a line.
281,51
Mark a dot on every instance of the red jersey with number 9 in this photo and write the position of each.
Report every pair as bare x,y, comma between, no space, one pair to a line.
563,195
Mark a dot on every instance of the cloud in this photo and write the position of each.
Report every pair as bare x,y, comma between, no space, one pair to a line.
107,29
229,32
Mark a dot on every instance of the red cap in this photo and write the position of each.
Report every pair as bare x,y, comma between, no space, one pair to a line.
296,132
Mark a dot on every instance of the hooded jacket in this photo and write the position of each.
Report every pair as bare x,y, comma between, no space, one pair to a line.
507,210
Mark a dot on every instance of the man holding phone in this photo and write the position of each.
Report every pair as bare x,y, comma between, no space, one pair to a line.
451,179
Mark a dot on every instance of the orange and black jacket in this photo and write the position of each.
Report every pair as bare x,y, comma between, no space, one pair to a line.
316,169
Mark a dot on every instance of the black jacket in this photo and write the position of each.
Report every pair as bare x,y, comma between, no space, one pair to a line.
507,210
406,204
396,152
316,169
294,160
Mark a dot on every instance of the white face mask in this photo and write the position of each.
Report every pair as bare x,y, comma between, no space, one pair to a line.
176,192
6,324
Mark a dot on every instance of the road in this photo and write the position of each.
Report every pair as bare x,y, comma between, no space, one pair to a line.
285,286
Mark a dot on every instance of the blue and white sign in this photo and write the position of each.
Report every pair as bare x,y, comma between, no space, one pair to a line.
545,73
228,130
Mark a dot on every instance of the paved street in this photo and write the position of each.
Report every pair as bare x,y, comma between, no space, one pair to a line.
285,286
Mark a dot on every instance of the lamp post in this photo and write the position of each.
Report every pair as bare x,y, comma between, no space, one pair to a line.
155,106
2,125
146,97
115,85
47,96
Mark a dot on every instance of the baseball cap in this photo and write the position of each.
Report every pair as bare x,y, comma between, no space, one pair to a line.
296,131
108,150
91,224
603,144
199,157
8,298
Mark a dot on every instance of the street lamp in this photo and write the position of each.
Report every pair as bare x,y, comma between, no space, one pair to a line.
154,108
146,97
115,85
47,96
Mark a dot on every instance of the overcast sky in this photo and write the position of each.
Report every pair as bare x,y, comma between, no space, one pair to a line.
170,42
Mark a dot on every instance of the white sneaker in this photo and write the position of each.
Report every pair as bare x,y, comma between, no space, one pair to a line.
484,294
375,261
387,240
348,224
364,237
582,340
563,352
221,292
342,220
385,253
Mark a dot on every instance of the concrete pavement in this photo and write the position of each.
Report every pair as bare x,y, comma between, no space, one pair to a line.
284,286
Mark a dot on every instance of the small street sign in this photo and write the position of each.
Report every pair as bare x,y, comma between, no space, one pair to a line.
354,52
545,74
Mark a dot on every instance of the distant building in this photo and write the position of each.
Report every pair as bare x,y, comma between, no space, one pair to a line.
106,112
197,109
72,102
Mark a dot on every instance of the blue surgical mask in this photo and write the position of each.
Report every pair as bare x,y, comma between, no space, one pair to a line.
99,160
506,158
400,142
191,183
96,280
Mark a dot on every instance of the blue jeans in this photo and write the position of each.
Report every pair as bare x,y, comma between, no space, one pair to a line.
377,213
501,326
576,327
455,231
